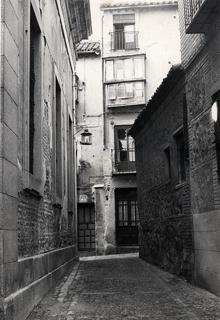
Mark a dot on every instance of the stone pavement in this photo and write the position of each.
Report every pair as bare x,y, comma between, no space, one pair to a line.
125,287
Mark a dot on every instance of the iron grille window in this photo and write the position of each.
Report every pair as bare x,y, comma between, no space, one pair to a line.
34,78
124,150
124,36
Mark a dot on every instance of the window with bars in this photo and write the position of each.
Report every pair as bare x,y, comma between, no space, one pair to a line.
34,86
124,36
124,150
127,213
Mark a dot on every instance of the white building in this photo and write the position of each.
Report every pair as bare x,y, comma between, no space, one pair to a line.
139,44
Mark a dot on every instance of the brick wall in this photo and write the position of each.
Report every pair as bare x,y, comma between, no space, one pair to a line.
202,81
191,44
164,205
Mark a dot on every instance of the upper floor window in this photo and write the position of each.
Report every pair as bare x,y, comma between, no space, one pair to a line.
124,149
125,68
125,93
124,36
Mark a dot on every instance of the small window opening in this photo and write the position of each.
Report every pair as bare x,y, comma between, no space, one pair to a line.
34,85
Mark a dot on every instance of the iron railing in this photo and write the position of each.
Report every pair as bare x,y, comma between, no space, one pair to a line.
124,40
124,161
191,7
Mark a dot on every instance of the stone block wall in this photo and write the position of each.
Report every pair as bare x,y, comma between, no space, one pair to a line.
166,236
37,232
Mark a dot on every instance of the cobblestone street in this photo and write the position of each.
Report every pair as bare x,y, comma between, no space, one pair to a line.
125,287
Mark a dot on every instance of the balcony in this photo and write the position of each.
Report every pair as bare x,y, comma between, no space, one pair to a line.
124,161
197,14
124,40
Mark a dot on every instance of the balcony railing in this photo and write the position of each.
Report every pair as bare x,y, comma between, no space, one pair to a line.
124,161
197,13
124,40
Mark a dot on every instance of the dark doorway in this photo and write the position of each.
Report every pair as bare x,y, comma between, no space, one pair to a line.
86,227
127,218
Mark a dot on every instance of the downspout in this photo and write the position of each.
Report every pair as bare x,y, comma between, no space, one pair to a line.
75,164
103,91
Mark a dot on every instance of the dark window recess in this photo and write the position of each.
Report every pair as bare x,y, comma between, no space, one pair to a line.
180,146
58,141
216,97
168,161
33,78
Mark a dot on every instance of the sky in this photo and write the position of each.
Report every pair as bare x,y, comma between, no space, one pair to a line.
96,20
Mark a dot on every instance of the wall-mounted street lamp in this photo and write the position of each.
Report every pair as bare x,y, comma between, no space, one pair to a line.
86,137
214,111
216,117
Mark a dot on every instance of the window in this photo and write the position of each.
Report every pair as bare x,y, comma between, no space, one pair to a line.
58,137
139,89
129,90
34,88
111,92
109,70
128,68
119,69
168,161
125,68
124,149
126,91
124,32
121,93
139,67
181,169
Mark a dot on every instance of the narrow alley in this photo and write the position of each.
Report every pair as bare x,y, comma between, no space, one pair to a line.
125,287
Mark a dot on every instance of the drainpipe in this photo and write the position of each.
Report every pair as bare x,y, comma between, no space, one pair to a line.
103,91
75,164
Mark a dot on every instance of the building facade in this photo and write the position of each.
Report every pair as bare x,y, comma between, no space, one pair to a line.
199,22
37,189
161,140
131,68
